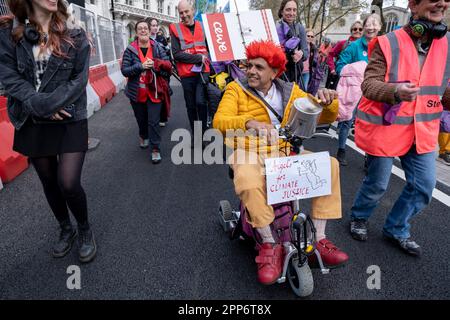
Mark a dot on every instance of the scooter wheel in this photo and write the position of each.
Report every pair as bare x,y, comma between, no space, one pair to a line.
225,210
300,278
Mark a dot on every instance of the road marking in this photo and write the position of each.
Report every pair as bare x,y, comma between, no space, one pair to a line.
437,194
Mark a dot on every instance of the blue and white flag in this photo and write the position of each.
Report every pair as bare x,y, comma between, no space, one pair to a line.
226,9
204,6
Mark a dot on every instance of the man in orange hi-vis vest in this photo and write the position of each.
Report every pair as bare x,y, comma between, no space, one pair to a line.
405,90
190,52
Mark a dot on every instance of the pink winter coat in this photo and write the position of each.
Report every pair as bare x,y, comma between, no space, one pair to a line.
349,89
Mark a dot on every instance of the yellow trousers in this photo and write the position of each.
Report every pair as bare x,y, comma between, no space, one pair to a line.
250,186
444,142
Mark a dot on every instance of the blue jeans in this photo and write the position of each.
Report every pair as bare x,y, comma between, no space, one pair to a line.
344,128
420,172
305,78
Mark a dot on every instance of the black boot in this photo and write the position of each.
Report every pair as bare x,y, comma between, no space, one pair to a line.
87,246
341,157
66,238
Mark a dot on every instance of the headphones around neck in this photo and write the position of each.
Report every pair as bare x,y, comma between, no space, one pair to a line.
421,27
30,33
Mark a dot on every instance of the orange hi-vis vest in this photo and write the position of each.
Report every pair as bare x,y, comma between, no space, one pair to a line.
190,43
417,121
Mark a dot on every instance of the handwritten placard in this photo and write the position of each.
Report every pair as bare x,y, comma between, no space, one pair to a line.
298,177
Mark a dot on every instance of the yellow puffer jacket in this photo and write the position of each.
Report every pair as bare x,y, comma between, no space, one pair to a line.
240,105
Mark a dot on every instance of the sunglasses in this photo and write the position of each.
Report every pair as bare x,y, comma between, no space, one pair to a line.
308,36
357,29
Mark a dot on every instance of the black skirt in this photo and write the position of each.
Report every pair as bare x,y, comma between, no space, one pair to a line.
43,140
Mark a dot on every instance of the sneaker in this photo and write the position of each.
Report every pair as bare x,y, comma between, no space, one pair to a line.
87,246
358,229
407,245
144,143
270,263
156,156
445,158
340,156
332,256
64,244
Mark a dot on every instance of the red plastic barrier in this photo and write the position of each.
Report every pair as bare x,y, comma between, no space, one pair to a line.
3,110
101,83
11,163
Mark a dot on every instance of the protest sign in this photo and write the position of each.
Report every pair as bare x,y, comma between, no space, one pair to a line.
228,33
298,177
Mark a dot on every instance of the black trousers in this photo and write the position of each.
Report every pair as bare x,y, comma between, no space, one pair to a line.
332,81
195,98
147,117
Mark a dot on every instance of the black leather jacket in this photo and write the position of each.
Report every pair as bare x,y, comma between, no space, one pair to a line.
63,84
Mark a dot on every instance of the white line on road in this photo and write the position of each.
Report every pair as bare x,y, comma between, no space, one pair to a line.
437,194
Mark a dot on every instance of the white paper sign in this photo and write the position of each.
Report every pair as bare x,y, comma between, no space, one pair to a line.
224,36
298,177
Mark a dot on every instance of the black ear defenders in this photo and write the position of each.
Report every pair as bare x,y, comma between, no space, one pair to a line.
421,27
30,33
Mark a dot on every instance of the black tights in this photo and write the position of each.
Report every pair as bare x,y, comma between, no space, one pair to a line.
61,179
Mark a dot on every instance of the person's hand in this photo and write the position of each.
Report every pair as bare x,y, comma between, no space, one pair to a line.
297,56
266,130
205,60
333,72
326,96
60,115
407,91
148,64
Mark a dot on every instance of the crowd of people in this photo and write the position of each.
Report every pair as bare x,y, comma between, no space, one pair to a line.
380,84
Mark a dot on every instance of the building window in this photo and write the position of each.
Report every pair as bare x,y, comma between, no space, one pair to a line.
391,22
147,4
160,6
342,23
168,10
129,2
176,12
93,2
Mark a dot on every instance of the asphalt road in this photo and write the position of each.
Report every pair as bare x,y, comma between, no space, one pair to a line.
158,237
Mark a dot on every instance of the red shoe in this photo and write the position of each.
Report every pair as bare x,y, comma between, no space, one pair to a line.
331,255
270,263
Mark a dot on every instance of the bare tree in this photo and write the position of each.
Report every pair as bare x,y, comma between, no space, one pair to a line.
312,12
379,4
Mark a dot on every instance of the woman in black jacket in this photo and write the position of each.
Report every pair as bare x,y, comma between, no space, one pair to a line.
44,65
144,64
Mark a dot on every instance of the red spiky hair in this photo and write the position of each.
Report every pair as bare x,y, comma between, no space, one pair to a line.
269,51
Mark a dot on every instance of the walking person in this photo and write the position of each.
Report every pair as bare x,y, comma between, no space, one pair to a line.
143,62
296,51
356,30
312,70
444,139
44,66
353,75
405,89
159,39
191,56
